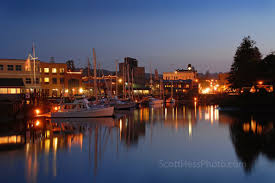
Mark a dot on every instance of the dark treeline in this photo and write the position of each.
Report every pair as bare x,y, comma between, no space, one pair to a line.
249,67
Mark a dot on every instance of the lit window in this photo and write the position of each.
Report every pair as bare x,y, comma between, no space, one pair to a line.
18,90
3,90
28,81
11,90
62,70
1,67
10,67
18,67
46,80
54,70
46,70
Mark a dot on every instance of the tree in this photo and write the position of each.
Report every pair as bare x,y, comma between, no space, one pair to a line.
70,65
268,67
244,70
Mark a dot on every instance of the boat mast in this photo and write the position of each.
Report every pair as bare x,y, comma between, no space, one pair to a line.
123,76
95,79
89,83
172,89
151,80
116,80
34,59
128,81
132,83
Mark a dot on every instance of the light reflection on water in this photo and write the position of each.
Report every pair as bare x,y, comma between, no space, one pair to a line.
70,149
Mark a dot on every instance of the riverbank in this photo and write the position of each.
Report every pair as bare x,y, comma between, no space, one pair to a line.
248,102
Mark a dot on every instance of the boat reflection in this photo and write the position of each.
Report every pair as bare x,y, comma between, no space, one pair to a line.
251,135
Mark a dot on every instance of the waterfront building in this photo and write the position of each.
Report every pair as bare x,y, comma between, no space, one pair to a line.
138,72
56,80
181,81
22,69
53,78
11,89
181,74
48,79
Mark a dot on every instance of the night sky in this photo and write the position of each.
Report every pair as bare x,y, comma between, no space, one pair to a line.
166,33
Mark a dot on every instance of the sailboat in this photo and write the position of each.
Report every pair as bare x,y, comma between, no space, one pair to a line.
125,103
171,99
82,109
152,100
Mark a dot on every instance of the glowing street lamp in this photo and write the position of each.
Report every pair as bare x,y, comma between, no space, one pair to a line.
37,111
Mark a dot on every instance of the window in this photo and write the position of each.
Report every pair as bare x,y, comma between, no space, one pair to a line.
11,90
54,70
46,80
1,67
28,81
62,70
46,70
3,90
54,81
61,80
10,67
18,67
37,80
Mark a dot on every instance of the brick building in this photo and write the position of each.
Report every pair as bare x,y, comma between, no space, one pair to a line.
138,72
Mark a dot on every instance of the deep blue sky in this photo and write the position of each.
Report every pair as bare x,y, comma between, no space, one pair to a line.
166,33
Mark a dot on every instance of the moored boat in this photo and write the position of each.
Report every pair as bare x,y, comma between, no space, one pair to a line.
170,100
155,101
82,109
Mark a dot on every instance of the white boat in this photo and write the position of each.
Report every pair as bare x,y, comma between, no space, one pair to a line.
170,100
82,109
155,101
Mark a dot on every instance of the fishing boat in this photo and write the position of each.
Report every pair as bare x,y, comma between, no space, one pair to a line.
155,101
82,109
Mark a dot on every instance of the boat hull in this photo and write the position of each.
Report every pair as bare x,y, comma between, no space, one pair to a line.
125,106
94,113
156,102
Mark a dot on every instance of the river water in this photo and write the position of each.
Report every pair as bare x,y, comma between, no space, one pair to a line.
159,144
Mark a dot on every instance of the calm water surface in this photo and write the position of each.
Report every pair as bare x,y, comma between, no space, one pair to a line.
161,144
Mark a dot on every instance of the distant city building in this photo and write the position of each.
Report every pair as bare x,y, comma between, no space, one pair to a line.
181,74
180,81
138,72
